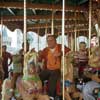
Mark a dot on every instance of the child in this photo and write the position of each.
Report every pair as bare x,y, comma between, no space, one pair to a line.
81,59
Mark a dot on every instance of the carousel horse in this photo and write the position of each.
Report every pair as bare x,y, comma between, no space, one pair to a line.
68,75
93,72
94,59
6,92
30,86
6,88
94,62
69,78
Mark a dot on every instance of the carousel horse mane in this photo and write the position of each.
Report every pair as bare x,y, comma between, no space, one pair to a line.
68,68
94,59
70,57
29,57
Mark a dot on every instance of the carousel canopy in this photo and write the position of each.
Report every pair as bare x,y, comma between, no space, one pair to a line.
41,14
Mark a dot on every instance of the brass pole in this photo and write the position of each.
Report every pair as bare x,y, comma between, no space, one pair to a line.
52,23
75,34
90,14
1,38
38,38
25,37
63,32
25,26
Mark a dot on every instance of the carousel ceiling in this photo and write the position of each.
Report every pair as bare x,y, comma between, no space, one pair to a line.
42,13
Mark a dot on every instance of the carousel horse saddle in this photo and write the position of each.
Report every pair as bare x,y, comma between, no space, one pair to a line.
91,70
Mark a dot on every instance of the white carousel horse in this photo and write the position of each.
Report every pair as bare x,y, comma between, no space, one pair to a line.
30,85
28,88
7,91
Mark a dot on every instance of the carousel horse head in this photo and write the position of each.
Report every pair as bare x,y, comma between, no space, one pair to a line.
31,68
95,50
29,57
70,56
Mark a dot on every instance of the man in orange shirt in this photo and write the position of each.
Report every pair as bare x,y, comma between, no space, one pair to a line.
52,60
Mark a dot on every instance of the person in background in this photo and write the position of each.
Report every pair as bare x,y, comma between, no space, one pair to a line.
27,47
22,53
18,65
17,72
6,56
1,74
52,64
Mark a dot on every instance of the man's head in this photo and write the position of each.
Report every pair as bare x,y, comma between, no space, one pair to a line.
82,46
51,41
4,48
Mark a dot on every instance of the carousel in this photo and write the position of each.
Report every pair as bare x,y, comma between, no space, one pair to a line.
49,50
